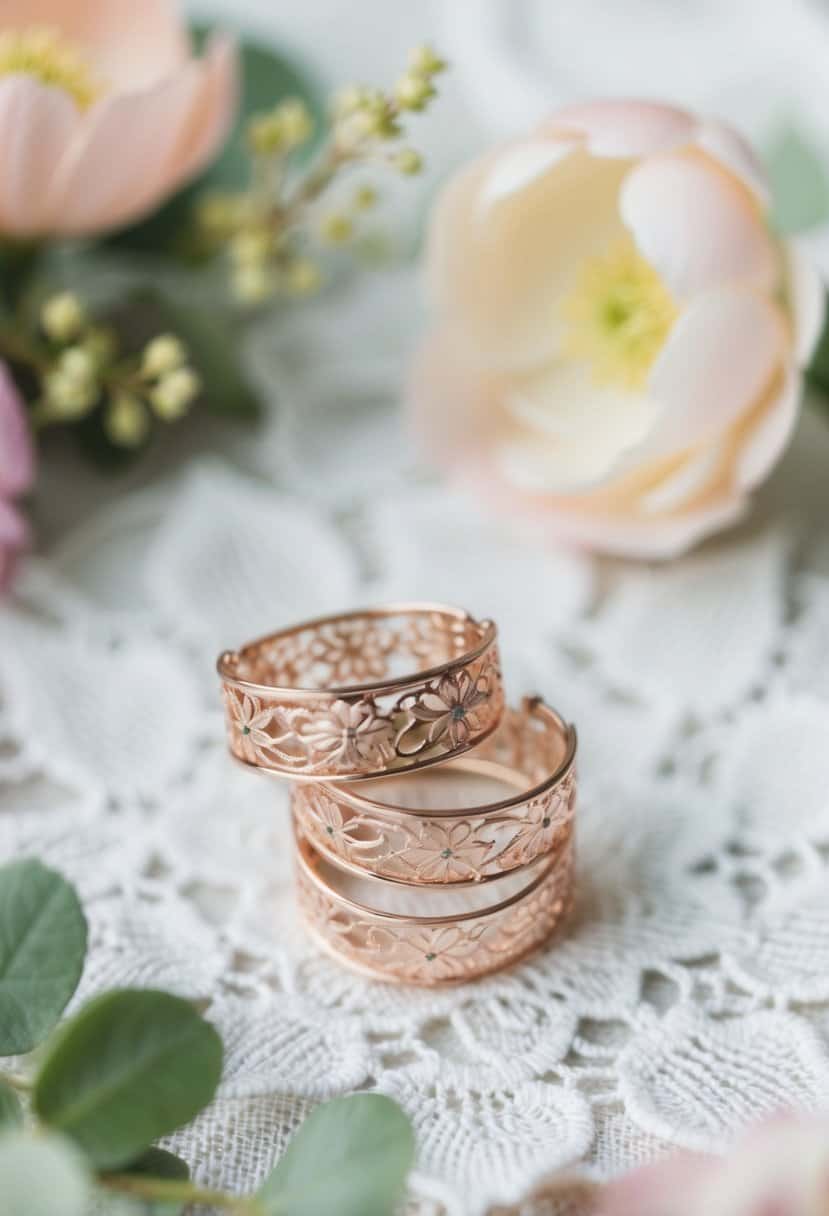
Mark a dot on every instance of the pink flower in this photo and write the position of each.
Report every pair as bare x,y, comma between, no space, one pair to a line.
103,112
780,1169
16,474
619,336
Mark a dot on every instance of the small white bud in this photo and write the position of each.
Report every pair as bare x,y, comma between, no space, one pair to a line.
174,393
62,317
161,355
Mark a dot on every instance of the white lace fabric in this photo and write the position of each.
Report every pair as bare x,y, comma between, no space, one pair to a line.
691,992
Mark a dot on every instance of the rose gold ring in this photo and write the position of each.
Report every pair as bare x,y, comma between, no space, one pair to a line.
421,828
433,935
363,694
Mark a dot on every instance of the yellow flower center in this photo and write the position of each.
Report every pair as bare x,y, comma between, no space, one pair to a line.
42,53
618,316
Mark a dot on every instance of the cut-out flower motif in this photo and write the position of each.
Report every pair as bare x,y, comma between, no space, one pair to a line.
447,708
348,736
540,824
352,652
249,728
447,853
350,833
442,953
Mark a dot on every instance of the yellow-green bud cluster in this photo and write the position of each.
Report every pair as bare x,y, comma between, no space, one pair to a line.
415,88
280,130
172,385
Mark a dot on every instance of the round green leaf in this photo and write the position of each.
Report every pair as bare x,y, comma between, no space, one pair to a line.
11,1112
351,1156
41,1176
133,1065
42,949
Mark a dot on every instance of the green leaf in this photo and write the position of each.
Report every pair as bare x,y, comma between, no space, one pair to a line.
11,1112
799,182
267,76
351,1156
818,370
42,950
158,1163
133,1065
42,1176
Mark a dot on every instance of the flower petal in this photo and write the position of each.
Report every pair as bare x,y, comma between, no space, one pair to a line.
131,45
658,537
16,448
212,111
498,270
807,301
574,431
121,164
720,357
624,128
722,143
765,442
697,225
36,125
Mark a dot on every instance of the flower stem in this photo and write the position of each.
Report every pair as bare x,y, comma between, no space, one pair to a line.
168,1190
22,1084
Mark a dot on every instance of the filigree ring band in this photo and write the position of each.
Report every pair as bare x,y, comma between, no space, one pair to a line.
363,694
531,757
433,936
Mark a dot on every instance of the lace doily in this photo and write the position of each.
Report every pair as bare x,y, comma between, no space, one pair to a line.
692,991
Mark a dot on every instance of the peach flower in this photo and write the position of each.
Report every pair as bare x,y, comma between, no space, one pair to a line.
781,1168
103,112
16,473
619,337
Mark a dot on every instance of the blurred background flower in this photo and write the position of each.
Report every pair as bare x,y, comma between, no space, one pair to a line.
16,474
104,111
619,336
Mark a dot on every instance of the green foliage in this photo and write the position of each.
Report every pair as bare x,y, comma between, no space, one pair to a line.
11,1112
42,949
43,1176
799,182
133,1065
266,77
350,1158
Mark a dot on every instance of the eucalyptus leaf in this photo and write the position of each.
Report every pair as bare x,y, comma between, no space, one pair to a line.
133,1065
799,182
42,1176
266,77
350,1157
158,1163
11,1112
42,950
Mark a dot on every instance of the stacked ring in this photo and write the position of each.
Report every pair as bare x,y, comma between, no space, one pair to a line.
428,880
337,699
532,753
470,934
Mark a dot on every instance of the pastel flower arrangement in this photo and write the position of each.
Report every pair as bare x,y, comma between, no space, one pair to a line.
108,117
620,338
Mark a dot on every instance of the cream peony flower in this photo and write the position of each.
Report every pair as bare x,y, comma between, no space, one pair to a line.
619,337
103,112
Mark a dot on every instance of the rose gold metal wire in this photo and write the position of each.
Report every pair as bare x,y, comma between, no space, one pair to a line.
533,749
300,703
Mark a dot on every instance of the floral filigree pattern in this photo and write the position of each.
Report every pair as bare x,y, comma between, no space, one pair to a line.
446,951
447,708
469,845
399,726
351,735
